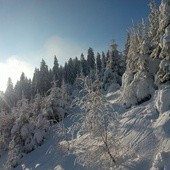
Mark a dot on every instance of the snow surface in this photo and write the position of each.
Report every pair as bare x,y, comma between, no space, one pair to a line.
144,128
49,156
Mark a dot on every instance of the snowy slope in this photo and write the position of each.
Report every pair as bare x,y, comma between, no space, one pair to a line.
50,156
143,128
147,131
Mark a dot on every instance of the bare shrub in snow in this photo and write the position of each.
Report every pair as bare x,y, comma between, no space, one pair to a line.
96,140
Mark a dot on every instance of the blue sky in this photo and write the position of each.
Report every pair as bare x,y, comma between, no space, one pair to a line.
34,29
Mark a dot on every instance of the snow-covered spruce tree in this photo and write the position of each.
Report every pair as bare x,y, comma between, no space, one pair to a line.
98,67
96,141
90,59
37,104
83,65
153,28
114,68
56,104
28,132
138,79
103,65
6,123
9,97
163,74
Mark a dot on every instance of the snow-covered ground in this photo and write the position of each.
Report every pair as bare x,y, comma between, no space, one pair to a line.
49,156
147,131
143,128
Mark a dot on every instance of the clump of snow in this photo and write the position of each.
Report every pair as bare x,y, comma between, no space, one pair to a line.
136,91
162,126
161,161
165,65
110,78
164,70
144,90
127,78
58,167
153,65
113,87
166,38
37,165
165,14
38,136
163,99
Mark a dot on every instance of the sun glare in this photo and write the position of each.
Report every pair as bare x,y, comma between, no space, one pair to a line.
13,68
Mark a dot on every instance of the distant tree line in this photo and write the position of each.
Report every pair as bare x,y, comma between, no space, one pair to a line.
94,66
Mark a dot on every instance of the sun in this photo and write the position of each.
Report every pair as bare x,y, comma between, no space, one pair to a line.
13,68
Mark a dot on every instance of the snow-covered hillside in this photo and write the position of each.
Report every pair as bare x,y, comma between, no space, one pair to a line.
49,156
102,115
143,129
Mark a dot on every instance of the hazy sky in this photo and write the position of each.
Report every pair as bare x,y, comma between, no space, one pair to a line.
34,29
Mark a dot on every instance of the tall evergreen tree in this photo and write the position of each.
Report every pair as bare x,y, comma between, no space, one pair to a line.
127,44
153,19
9,95
114,59
98,66
51,76
65,72
9,88
2,102
98,62
91,59
77,68
60,76
103,65
107,56
71,72
83,65
23,86
56,68
163,74
35,81
44,78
